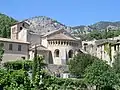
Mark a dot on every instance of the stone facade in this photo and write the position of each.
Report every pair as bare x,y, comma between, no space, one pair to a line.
104,49
56,46
14,50
57,50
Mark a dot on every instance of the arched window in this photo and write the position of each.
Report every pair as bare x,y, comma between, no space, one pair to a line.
64,43
67,43
59,42
56,53
70,53
21,28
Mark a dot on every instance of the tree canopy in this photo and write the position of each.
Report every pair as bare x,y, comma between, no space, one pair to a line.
5,23
116,63
96,34
79,62
101,75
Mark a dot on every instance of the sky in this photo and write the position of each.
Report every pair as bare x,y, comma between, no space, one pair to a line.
68,12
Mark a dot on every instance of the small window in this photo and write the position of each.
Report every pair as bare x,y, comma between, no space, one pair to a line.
49,42
13,29
23,58
70,53
56,53
59,42
115,47
19,47
10,46
67,43
20,28
23,24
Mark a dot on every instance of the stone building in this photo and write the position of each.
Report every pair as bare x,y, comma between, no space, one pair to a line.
104,49
56,46
14,49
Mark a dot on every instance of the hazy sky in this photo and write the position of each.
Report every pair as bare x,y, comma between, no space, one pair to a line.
69,12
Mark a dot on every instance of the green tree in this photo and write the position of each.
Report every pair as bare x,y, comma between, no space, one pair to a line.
35,64
1,52
5,23
38,81
4,33
116,63
101,75
19,64
96,34
15,80
37,72
79,62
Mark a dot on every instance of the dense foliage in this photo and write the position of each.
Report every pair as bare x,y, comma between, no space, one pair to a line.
13,79
96,72
5,24
78,64
96,34
54,83
116,63
19,64
1,51
101,75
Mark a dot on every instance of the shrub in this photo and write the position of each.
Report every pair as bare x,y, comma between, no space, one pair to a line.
19,64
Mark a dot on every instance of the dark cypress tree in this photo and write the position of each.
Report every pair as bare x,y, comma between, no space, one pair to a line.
4,32
34,68
1,52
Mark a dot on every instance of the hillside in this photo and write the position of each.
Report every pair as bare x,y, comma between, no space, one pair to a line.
5,23
43,24
102,25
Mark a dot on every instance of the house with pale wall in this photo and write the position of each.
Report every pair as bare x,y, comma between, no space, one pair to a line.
14,49
104,49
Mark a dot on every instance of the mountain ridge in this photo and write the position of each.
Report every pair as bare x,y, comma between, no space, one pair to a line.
45,24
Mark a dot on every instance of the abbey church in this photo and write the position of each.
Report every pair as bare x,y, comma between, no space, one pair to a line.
55,46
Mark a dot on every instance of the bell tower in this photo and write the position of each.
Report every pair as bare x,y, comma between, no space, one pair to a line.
15,29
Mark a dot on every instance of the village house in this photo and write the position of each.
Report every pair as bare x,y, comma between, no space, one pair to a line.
104,49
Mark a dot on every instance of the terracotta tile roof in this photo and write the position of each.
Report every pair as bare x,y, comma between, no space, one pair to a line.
39,47
61,36
12,40
51,32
